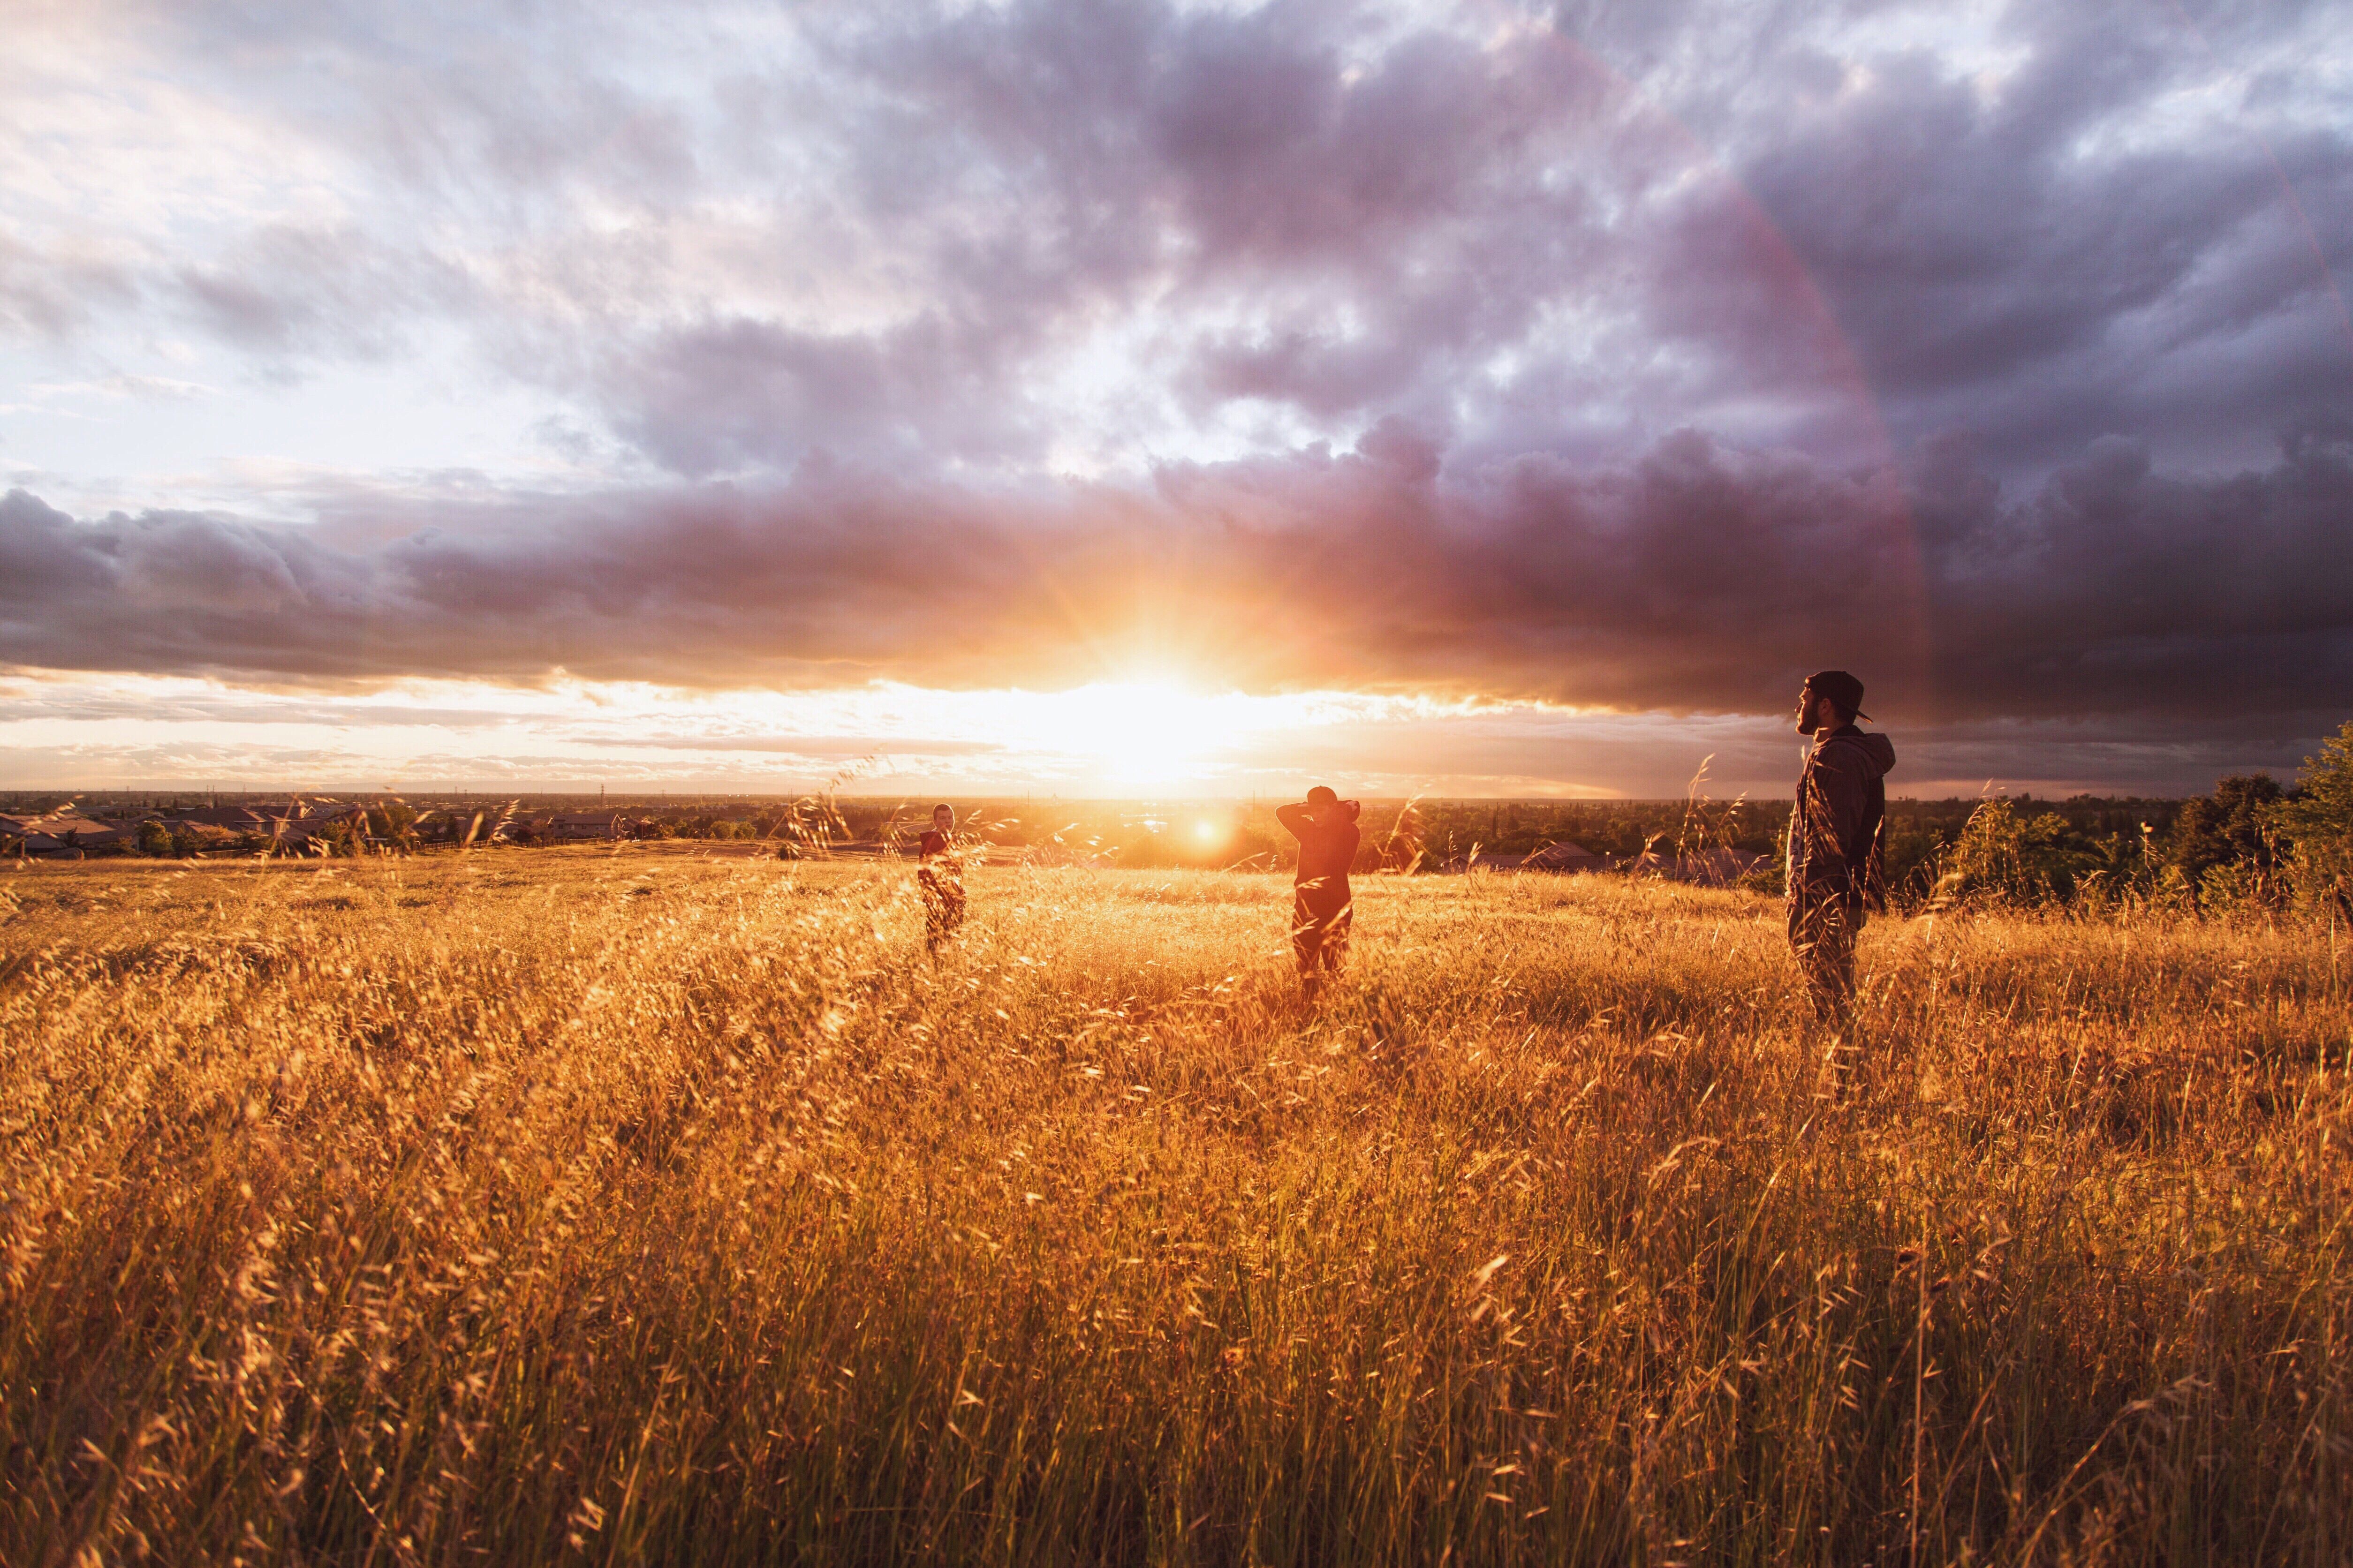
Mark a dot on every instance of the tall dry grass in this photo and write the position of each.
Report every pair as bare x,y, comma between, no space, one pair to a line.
549,1205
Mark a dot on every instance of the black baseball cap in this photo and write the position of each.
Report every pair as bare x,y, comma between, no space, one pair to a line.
1322,795
1840,687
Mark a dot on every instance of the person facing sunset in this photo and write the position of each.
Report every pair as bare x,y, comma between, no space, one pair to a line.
941,878
1836,831
1321,909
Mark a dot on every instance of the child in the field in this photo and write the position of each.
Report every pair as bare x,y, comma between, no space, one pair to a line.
942,880
1322,907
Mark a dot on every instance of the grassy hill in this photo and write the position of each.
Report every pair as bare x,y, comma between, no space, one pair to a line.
555,1205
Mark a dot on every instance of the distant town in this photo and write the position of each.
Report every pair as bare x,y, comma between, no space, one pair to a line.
1695,840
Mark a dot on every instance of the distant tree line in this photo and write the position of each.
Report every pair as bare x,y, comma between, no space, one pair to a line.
2252,843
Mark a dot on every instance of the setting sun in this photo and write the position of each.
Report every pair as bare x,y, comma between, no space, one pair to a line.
1144,732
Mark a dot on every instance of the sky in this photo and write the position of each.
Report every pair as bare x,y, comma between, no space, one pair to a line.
1201,399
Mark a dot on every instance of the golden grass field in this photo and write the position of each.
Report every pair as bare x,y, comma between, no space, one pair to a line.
549,1205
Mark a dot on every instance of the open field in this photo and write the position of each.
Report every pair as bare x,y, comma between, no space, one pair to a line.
550,1206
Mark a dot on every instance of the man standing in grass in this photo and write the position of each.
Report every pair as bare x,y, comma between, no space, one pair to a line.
941,878
1836,834
1321,909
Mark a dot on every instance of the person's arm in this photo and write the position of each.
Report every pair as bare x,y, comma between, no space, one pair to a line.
1816,858
1848,793
1842,784
1353,808
1294,816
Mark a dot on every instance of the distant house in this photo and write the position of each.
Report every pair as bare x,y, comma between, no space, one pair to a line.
292,831
1564,857
200,834
293,828
570,826
221,826
235,818
63,834
67,834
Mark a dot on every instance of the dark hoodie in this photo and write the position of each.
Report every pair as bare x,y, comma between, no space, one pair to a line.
1837,830
1325,855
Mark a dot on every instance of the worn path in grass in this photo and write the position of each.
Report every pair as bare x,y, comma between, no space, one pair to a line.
537,1204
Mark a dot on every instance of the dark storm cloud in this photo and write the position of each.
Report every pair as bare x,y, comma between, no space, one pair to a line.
1305,230
1995,274
882,232
2116,587
1624,303
1346,224
1697,578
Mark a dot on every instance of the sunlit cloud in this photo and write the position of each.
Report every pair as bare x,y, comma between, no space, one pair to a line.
1107,397
1104,738
1110,739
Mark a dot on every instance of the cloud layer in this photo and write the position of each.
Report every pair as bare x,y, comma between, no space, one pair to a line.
1697,578
1647,357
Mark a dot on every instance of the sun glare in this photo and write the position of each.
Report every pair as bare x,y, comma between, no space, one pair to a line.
1142,732
1152,736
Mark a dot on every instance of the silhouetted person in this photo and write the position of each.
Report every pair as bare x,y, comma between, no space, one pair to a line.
941,878
1837,832
1321,909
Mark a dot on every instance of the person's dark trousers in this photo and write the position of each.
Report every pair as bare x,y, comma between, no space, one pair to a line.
943,905
1319,934
1824,924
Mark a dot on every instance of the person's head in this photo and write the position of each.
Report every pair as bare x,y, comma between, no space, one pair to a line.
943,817
1830,700
1321,802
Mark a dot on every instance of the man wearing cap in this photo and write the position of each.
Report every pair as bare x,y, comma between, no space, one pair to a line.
1322,907
1836,832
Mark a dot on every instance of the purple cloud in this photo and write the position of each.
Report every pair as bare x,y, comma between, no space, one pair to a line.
1647,356
1699,577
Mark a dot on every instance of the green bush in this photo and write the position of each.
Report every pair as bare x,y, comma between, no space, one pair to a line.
1911,860
2236,884
2232,827
2005,858
2121,867
2317,820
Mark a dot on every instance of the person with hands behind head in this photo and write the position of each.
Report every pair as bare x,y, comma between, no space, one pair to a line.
941,878
1322,907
